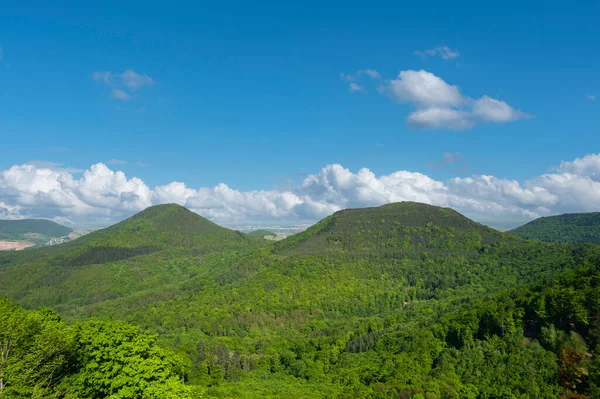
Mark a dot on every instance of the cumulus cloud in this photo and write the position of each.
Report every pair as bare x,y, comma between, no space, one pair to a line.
440,105
123,85
100,196
591,97
444,52
425,89
587,166
440,118
490,109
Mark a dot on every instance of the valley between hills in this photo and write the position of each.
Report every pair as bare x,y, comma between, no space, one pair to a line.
404,300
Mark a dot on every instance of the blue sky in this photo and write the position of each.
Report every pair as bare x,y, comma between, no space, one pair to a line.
249,94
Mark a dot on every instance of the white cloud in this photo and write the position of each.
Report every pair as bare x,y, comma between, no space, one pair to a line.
9,212
354,88
588,166
441,118
591,97
102,196
425,89
490,109
440,105
443,51
123,85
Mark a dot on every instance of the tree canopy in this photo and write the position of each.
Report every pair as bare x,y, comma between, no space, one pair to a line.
401,301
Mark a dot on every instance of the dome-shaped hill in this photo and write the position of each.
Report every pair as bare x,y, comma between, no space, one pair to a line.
165,224
403,225
160,227
174,217
156,228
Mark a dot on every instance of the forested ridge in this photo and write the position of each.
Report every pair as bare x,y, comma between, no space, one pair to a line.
568,228
401,301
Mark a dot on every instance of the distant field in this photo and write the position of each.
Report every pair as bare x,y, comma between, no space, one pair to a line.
15,245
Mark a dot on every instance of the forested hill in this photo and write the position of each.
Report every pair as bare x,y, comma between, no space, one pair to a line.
159,245
10,228
403,225
401,301
156,228
169,225
568,228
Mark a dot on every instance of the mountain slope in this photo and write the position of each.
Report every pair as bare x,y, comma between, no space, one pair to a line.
162,244
568,228
356,315
404,225
343,310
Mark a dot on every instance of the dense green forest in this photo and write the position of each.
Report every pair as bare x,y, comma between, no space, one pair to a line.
401,301
44,357
37,231
569,228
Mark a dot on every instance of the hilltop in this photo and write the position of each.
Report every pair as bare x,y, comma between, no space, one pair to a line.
162,226
31,232
163,243
403,225
568,228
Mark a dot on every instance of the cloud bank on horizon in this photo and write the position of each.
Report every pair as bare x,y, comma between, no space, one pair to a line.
100,195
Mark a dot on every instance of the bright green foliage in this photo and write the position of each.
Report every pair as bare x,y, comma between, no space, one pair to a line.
117,362
36,350
569,228
43,357
401,301
161,245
